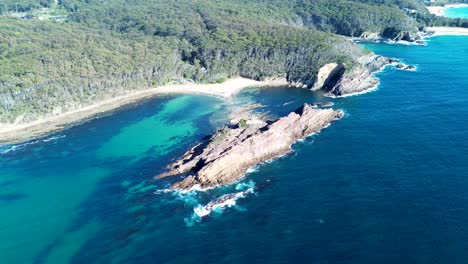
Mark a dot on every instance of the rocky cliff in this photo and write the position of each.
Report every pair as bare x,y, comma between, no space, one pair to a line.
392,34
339,80
226,156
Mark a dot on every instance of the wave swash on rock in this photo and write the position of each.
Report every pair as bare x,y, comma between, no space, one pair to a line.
227,155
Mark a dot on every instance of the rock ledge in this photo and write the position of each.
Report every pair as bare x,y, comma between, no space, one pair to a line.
225,157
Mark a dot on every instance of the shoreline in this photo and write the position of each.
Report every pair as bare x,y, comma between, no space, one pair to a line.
447,31
18,133
439,10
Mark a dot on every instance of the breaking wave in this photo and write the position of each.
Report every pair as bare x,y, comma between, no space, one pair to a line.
13,148
219,204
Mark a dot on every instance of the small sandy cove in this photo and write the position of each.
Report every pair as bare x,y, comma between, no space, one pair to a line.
440,31
439,10
15,133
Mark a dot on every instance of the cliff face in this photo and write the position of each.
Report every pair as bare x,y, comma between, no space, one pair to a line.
325,74
342,80
392,34
230,152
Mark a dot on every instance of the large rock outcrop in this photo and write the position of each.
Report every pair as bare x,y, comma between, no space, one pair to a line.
392,34
397,35
343,80
225,157
325,74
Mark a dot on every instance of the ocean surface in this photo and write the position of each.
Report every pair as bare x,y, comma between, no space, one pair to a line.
386,184
461,12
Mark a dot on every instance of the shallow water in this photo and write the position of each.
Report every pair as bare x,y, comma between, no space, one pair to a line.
461,12
386,184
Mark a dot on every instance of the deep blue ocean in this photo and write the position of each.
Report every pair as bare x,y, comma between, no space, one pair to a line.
386,184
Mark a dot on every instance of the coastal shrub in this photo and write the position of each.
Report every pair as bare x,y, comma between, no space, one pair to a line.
107,48
243,123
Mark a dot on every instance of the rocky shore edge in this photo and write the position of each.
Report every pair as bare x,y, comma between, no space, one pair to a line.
225,157
335,79
338,80
18,132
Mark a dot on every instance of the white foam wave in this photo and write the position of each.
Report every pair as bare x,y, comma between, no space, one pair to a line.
411,70
203,211
251,170
403,42
288,103
12,148
218,205
162,191
372,89
54,138
245,185
189,197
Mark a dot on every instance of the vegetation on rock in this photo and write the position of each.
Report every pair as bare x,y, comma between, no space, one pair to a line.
107,48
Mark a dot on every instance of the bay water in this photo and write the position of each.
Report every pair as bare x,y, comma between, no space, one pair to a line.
386,184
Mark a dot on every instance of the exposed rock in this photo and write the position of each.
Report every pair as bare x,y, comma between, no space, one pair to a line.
357,79
222,202
322,105
297,85
397,34
370,36
425,33
405,67
393,35
327,71
225,157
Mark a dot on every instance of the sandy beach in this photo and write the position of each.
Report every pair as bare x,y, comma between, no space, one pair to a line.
446,31
16,133
439,10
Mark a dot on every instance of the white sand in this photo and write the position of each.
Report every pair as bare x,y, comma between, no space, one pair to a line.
14,133
443,31
439,10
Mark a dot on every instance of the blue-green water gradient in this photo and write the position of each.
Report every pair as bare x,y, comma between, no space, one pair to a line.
461,12
386,184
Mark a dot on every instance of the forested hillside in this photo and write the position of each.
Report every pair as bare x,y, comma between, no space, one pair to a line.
109,47
345,17
48,65
24,5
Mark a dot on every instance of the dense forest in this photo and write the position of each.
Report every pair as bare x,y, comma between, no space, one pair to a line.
24,5
106,48
154,17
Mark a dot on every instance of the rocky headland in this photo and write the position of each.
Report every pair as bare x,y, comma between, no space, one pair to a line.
225,156
392,34
339,80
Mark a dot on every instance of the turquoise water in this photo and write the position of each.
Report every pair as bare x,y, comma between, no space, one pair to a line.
461,12
386,184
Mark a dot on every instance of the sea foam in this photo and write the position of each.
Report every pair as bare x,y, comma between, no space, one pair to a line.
8,149
219,204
